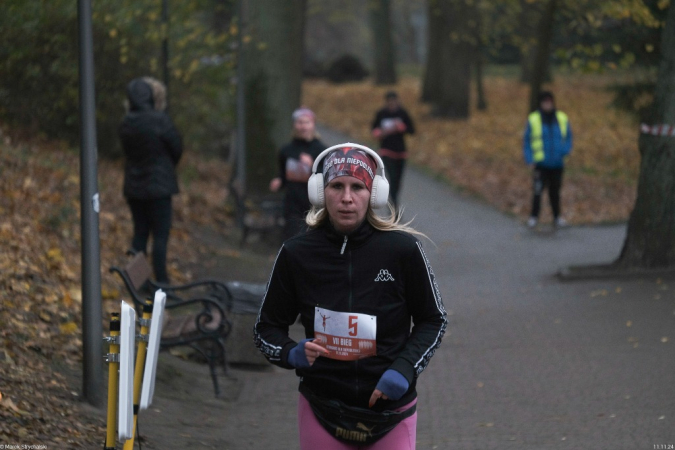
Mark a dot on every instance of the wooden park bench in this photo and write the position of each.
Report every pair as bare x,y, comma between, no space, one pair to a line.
264,219
263,216
196,314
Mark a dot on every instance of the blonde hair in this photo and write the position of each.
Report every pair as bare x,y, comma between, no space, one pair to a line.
391,222
158,93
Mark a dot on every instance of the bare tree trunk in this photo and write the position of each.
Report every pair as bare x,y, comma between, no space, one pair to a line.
432,74
404,34
222,15
449,69
541,61
481,102
380,17
531,15
273,77
527,32
650,239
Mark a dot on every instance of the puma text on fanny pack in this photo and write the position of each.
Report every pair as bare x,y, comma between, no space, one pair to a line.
351,424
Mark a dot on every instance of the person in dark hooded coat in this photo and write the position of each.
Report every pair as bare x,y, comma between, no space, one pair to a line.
152,148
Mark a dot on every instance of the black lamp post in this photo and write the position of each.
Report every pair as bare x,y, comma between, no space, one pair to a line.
92,329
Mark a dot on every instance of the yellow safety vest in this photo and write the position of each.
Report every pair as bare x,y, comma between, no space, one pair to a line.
536,140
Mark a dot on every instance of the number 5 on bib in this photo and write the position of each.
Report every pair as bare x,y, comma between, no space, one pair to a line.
346,336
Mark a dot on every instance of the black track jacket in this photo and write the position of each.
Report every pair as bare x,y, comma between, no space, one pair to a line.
341,273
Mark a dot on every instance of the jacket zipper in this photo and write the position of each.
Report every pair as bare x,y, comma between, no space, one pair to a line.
351,308
351,288
344,244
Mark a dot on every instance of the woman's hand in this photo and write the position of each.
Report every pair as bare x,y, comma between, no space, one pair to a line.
306,159
305,353
275,184
375,396
392,385
313,351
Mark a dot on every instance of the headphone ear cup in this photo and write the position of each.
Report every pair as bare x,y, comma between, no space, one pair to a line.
380,192
315,190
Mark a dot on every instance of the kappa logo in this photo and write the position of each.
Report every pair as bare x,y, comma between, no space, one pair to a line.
384,275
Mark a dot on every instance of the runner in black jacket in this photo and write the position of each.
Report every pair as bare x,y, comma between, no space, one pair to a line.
356,267
295,163
390,126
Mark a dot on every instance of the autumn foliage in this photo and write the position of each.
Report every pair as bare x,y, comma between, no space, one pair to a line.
483,155
40,313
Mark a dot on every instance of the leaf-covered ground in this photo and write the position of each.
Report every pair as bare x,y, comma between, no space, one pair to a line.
40,309
40,300
483,155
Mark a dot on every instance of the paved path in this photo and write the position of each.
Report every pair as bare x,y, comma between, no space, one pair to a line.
528,362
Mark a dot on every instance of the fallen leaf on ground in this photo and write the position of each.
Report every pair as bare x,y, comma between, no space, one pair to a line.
9,404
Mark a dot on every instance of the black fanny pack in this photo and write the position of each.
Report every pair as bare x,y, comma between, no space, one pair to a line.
351,424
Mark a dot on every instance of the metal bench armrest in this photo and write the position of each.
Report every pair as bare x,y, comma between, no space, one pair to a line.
206,315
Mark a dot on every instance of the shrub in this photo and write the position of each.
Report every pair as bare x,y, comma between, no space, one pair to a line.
39,87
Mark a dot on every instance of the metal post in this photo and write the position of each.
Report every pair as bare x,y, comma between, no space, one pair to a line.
92,329
113,381
165,48
241,111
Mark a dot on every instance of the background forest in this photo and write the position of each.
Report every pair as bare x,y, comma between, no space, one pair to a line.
467,70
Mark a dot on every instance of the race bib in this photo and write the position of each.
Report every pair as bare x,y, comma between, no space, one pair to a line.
297,170
346,336
390,124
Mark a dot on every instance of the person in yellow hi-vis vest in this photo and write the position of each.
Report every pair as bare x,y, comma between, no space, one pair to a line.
546,143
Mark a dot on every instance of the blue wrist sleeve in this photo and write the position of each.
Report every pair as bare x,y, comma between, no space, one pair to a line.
297,357
393,384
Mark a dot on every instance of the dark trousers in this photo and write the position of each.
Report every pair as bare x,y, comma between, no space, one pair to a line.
551,180
394,170
152,217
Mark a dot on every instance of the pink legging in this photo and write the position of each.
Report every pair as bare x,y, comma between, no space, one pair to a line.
313,436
